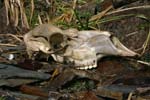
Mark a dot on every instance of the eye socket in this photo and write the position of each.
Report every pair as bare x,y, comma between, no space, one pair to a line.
69,39
50,50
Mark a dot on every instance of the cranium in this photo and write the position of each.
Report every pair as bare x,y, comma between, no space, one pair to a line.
80,48
46,38
84,51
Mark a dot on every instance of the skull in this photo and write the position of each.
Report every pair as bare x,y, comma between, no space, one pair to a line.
80,48
84,51
46,38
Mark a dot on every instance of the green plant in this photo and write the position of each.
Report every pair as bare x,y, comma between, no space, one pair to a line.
2,98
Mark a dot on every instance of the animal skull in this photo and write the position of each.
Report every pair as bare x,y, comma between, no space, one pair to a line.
84,51
80,48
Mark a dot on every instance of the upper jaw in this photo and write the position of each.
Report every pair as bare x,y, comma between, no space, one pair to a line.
87,63
76,63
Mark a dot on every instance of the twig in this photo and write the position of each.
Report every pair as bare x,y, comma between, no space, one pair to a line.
32,10
139,61
138,49
7,44
14,36
40,20
48,2
143,62
146,42
130,96
126,9
74,4
101,14
133,33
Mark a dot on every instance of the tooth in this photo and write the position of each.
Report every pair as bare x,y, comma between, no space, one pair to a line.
86,67
78,67
81,67
95,65
90,67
